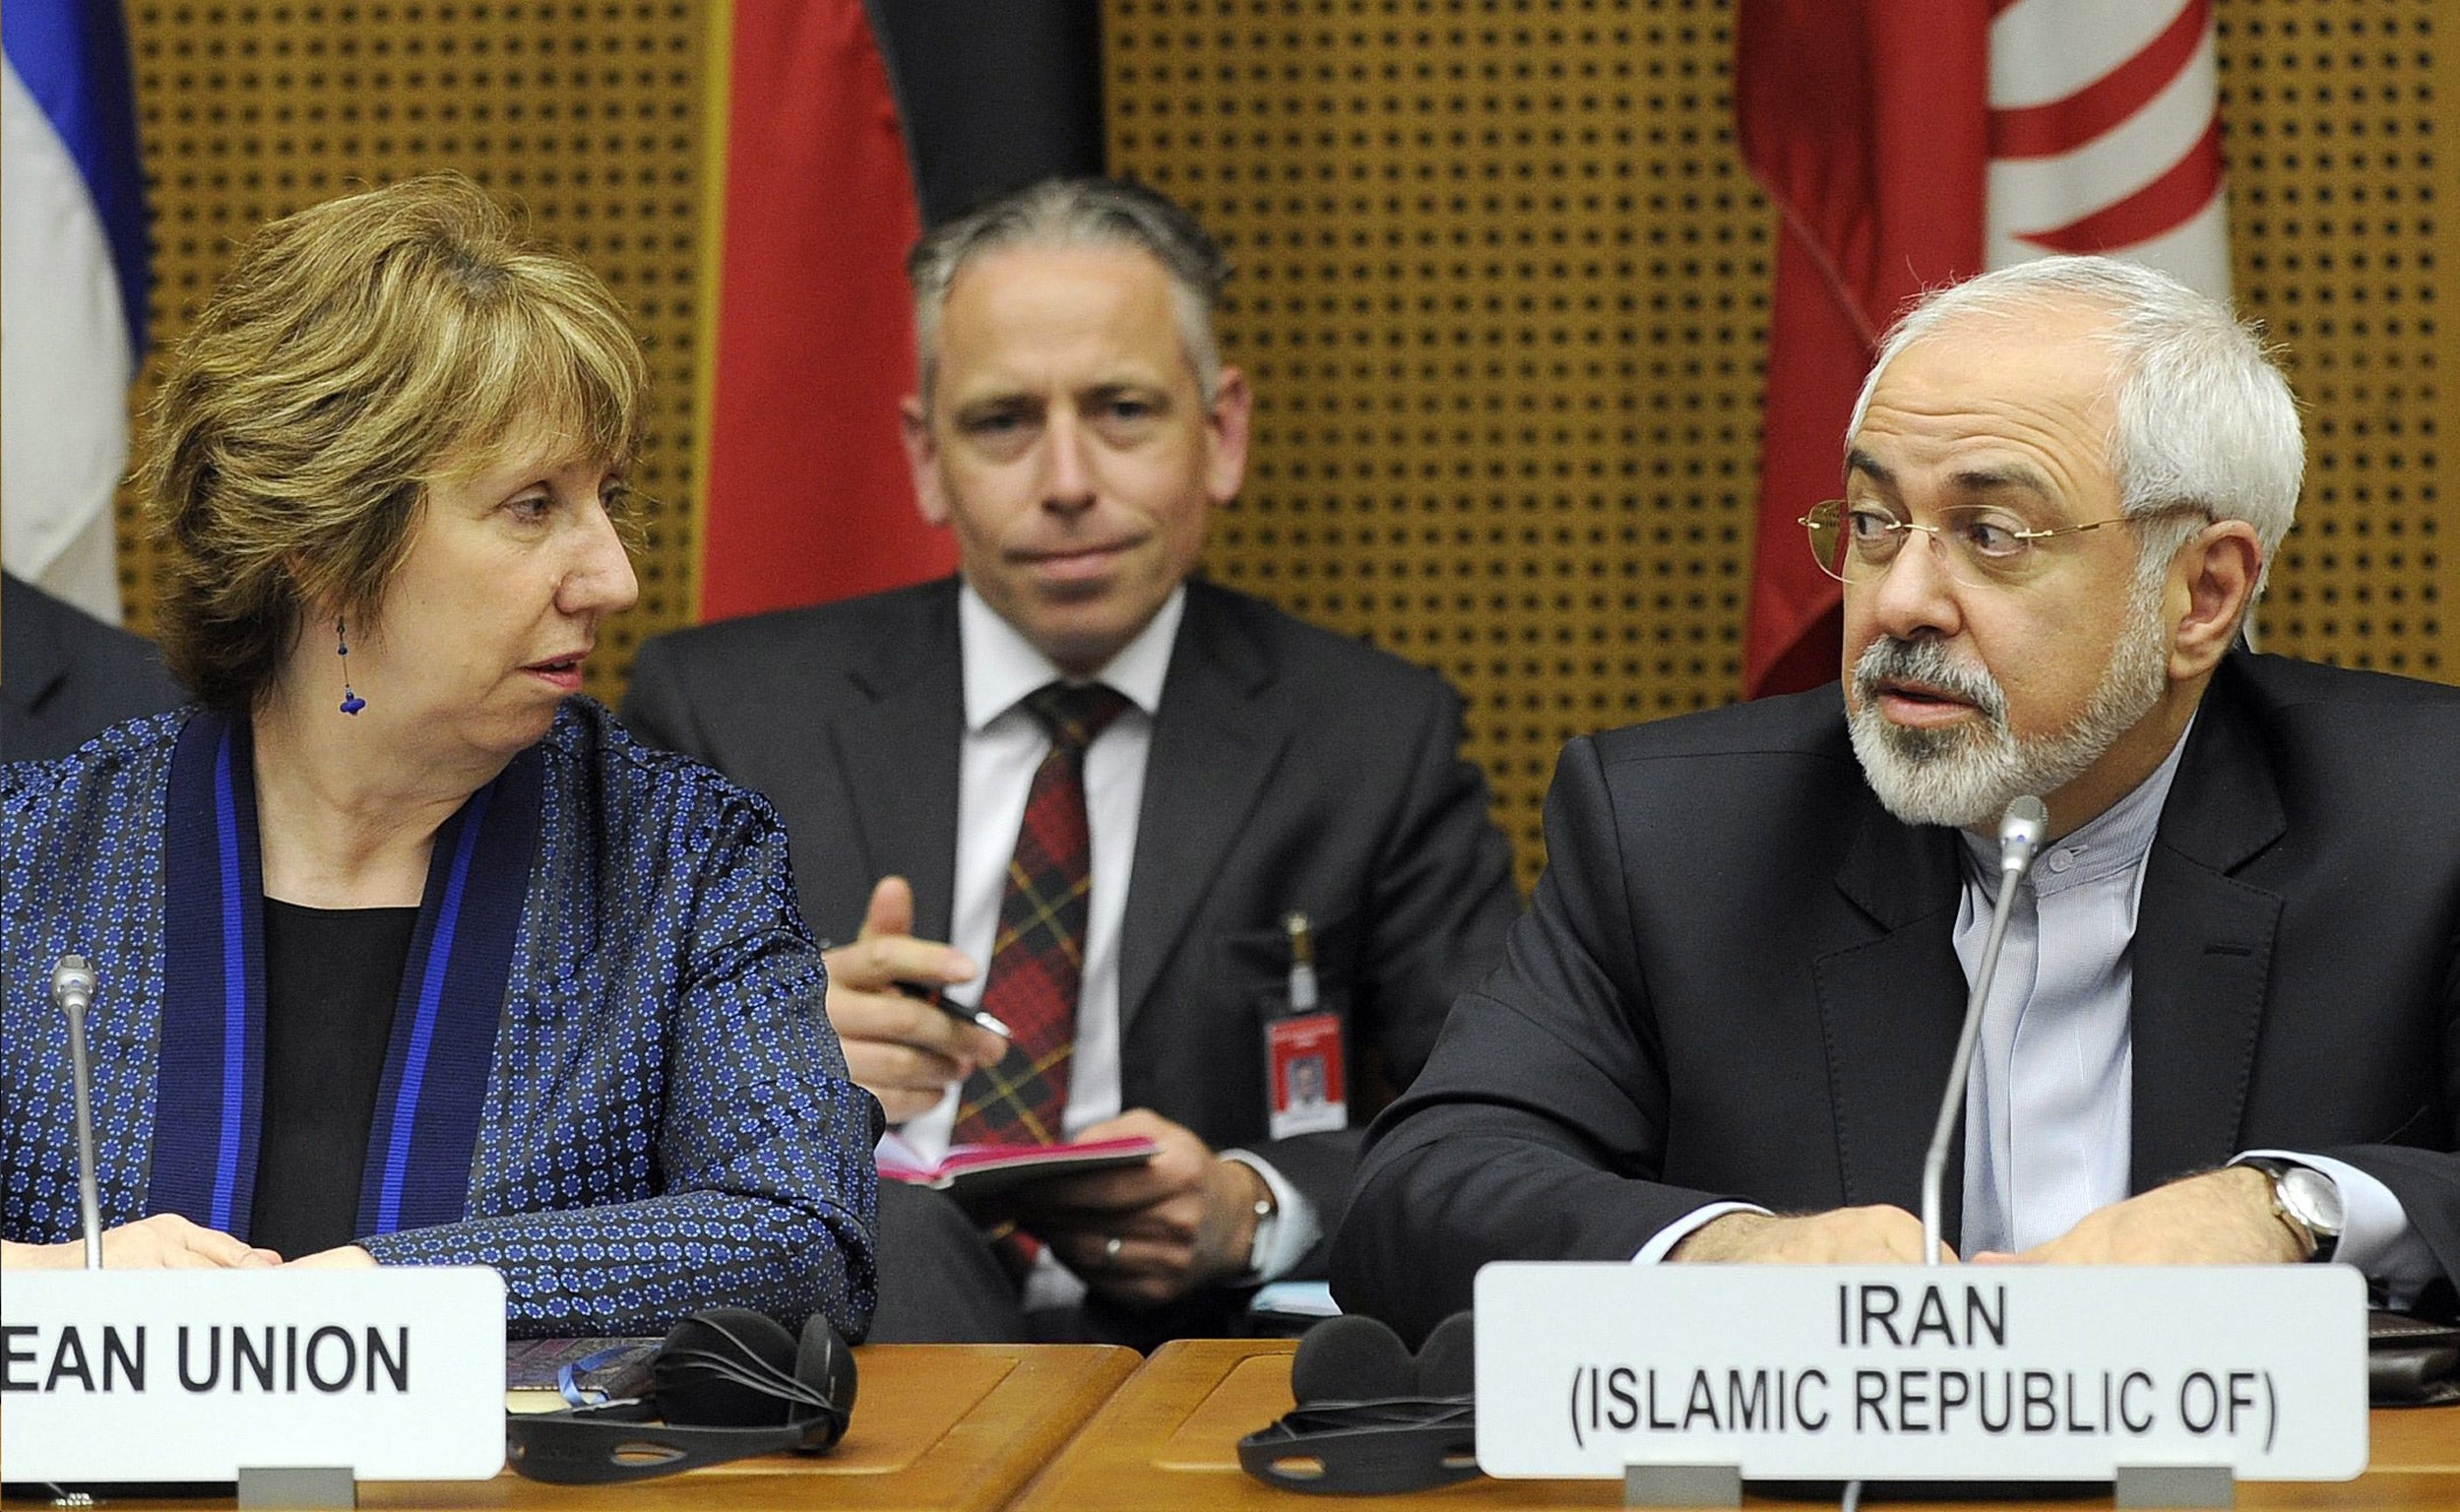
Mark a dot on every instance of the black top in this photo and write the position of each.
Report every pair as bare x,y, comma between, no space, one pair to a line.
331,978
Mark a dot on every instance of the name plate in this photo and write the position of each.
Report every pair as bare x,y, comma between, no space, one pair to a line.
1906,1373
394,1374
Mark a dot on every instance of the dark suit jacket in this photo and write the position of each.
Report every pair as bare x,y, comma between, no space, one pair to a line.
1290,769
66,677
1737,981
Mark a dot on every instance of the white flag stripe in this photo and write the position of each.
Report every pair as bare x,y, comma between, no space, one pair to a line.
2196,253
2042,51
86,573
2041,194
65,363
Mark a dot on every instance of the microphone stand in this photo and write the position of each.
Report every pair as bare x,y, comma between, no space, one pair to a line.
2021,830
72,991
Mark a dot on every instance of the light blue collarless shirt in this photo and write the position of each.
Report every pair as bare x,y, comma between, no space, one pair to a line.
2055,1056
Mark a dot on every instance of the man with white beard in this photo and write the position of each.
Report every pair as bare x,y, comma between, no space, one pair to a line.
2226,1023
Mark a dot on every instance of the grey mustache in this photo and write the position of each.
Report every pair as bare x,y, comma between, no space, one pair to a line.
1889,660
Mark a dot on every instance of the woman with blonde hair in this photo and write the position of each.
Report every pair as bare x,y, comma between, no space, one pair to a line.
406,954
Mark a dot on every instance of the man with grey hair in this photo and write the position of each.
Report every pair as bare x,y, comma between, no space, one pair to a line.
2223,1026
1086,794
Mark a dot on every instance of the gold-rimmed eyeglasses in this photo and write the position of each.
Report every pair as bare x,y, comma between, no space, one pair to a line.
1981,545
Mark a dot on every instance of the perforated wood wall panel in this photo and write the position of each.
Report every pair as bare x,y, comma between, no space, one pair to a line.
1501,291
2341,229
587,112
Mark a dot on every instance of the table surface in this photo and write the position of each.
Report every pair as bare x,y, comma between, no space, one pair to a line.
968,1426
1169,1438
958,1426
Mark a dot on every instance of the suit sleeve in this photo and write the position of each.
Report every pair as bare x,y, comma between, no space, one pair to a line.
2426,1177
1440,899
1538,1127
765,1187
656,705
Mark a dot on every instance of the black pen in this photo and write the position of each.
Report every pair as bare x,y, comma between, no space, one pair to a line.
957,1010
938,999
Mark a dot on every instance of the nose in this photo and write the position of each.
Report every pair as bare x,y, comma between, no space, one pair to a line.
1068,471
599,580
1913,597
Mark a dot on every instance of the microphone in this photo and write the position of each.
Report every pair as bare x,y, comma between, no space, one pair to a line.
2021,830
72,992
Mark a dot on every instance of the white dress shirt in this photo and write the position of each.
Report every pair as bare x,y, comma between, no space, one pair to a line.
1003,745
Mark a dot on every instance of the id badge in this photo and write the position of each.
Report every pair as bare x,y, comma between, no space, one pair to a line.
1303,1060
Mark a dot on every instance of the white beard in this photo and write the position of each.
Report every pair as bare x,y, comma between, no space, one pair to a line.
1966,774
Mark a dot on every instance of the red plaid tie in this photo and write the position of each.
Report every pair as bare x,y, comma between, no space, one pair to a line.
1038,958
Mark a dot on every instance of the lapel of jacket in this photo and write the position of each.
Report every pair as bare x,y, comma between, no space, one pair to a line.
1892,1005
1215,742
2203,949
899,747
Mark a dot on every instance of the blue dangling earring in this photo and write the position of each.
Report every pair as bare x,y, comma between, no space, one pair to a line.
352,703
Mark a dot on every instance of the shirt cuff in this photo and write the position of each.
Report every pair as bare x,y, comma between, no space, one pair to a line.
2377,1236
1681,1229
1283,1238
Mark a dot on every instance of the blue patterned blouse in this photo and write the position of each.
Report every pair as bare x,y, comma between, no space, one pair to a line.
656,1114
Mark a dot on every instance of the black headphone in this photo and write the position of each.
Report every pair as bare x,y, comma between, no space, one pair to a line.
725,1383
1372,1419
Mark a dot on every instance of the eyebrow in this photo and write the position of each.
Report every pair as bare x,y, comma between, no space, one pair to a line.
2014,474
1991,479
1004,398
1859,461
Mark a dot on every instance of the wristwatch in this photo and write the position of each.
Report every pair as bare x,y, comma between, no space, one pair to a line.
2305,1199
1268,1219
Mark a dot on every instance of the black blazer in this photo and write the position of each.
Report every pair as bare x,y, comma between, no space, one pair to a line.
1737,981
1290,768
66,677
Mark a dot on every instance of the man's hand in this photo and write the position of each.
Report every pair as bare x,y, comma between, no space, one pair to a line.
2220,1217
903,1050
164,1241
1185,1220
1876,1236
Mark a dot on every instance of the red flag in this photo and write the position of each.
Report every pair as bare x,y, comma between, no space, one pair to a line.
1867,122
806,495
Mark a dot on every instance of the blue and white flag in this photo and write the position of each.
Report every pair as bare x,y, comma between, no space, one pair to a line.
74,263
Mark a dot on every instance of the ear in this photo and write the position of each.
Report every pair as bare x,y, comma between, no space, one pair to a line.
2218,571
1227,427
922,460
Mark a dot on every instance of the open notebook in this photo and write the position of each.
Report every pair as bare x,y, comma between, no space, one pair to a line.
970,1172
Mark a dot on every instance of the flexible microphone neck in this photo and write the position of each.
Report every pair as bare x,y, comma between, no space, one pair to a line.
72,992
2021,830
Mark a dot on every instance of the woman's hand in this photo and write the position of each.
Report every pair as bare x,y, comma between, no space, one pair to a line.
341,1257
164,1241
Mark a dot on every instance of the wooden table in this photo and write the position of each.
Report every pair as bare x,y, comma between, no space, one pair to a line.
937,1426
1169,1439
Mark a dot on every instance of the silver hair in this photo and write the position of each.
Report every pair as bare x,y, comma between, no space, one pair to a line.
1079,213
2203,414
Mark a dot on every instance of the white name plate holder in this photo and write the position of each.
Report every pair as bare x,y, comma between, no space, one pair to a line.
1684,1380
293,1384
